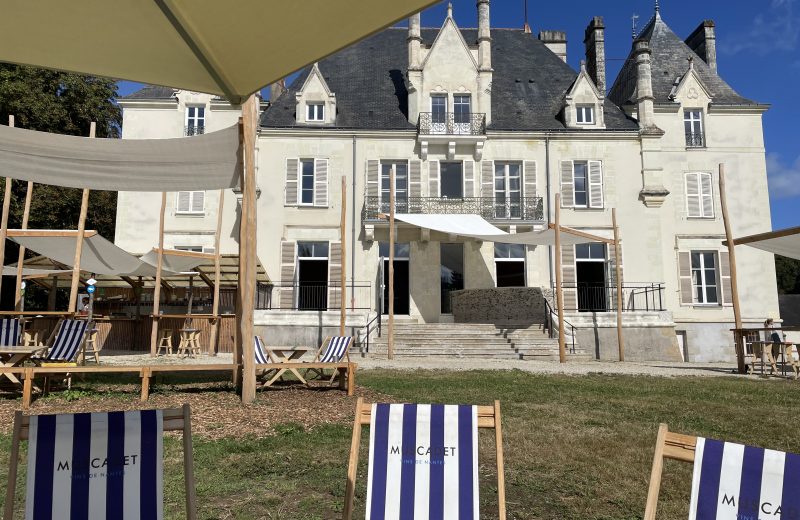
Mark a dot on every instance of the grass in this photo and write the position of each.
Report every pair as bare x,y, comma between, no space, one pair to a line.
575,447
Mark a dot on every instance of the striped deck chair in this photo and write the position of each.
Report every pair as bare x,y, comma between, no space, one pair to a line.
10,332
335,349
423,460
98,465
730,481
67,343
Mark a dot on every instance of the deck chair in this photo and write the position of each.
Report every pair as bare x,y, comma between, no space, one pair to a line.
423,458
10,332
730,481
67,343
334,350
128,480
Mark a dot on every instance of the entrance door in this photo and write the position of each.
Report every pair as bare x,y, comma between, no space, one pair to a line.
590,271
452,180
452,272
402,299
312,279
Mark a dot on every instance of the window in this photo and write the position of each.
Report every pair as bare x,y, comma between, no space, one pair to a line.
507,190
693,124
585,114
699,195
316,112
462,113
451,181
312,276
439,113
307,181
581,181
509,262
190,202
704,277
582,184
400,169
591,252
401,250
318,250
195,120
193,249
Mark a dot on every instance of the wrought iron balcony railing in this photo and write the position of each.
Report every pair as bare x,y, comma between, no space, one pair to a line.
526,209
449,123
194,130
695,140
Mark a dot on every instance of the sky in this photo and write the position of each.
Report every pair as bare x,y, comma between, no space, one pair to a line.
758,54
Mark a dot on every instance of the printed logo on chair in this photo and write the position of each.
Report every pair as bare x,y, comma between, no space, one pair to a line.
736,482
423,462
99,465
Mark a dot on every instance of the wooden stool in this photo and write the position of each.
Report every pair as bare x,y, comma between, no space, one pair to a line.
90,347
165,342
190,342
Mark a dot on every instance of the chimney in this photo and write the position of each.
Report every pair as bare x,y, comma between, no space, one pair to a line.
414,42
484,37
556,41
644,85
703,41
595,42
276,90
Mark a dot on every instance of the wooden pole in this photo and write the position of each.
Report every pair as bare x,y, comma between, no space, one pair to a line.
76,264
212,345
4,218
247,252
190,296
737,314
21,258
562,344
617,260
52,294
342,232
157,287
390,340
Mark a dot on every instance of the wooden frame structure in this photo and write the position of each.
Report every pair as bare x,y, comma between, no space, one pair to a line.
669,445
488,417
175,419
737,313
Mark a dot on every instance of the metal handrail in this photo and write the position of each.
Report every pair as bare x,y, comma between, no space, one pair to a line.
695,140
369,327
601,297
451,123
315,296
526,209
548,325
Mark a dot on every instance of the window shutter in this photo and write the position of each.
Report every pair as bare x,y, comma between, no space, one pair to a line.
415,178
569,278
373,167
198,201
706,195
612,273
288,267
292,167
725,278
693,195
595,184
335,276
487,179
433,179
321,182
469,178
184,201
685,277
529,178
567,185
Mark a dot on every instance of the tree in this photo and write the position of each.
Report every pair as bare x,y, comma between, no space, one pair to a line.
787,270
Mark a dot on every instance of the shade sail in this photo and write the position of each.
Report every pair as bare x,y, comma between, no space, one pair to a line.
475,227
203,162
784,242
227,48
11,270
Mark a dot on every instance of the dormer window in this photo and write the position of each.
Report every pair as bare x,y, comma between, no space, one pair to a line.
315,112
585,114
693,125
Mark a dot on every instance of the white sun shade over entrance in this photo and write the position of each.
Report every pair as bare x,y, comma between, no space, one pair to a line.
785,242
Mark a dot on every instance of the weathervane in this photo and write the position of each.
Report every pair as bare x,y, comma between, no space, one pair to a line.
658,7
633,19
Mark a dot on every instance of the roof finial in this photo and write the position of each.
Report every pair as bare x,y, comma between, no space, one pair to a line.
691,62
633,30
658,7
449,9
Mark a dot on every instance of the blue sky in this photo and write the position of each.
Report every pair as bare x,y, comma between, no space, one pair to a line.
758,54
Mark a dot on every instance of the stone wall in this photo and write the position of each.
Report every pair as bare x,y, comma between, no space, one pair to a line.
499,305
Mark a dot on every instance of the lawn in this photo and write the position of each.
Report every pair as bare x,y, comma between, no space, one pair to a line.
575,447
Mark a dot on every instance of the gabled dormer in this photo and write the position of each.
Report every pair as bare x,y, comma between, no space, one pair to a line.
583,103
690,91
315,103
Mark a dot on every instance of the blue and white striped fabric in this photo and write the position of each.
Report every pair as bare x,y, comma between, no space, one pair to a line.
736,482
337,348
98,465
68,340
423,462
10,330
260,353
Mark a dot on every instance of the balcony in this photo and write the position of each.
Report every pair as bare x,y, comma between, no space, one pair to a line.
450,123
526,210
194,130
695,140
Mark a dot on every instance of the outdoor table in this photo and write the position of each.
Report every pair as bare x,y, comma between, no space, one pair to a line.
11,356
288,355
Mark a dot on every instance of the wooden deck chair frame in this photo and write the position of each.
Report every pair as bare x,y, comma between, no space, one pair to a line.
273,368
488,417
345,358
62,363
669,445
175,419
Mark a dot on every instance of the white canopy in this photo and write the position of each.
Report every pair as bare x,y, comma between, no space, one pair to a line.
475,227
11,270
227,48
785,242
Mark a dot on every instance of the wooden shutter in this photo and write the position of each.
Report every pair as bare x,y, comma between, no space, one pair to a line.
321,182
373,167
693,195
567,185
487,179
198,201
292,167
612,274
184,201
569,278
725,278
469,178
595,184
335,276
415,178
529,178
706,195
685,277
433,179
288,271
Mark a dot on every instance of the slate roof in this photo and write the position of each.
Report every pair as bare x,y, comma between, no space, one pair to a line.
151,92
369,79
669,63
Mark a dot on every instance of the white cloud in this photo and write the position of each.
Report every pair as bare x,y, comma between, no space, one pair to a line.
777,29
784,179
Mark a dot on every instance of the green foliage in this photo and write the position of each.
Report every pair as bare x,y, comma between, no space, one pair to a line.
787,271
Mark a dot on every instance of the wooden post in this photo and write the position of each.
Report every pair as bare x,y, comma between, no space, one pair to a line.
4,218
342,232
562,345
390,340
21,258
501,477
52,294
190,296
737,314
617,260
212,345
76,264
247,252
655,474
157,286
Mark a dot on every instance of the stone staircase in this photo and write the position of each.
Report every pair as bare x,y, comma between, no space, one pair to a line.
470,340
